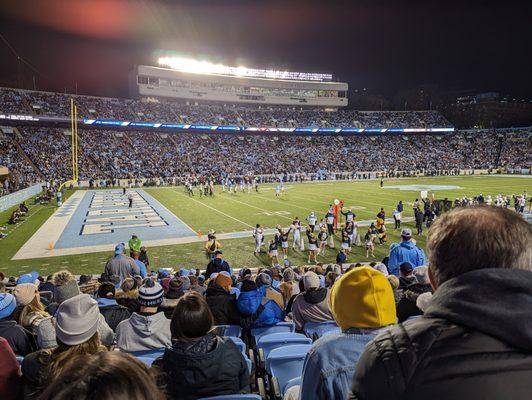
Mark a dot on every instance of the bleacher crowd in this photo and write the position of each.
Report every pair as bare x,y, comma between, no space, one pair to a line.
36,153
458,328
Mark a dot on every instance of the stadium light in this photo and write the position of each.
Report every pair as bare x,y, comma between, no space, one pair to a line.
204,67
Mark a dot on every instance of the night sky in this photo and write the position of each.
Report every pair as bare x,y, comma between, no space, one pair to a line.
384,46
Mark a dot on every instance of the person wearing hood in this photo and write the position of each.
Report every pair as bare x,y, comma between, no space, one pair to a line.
362,304
405,251
406,277
147,329
217,264
253,301
474,340
113,312
313,304
199,363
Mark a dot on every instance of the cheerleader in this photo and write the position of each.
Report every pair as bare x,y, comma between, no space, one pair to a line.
283,238
350,230
258,234
312,246
346,242
296,224
370,246
381,230
322,239
273,252
312,221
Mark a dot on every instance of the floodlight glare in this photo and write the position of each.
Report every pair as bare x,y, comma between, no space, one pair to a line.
205,67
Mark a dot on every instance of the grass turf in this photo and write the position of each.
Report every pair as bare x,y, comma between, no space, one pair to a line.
240,212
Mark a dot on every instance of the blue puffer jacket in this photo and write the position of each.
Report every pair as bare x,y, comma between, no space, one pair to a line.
249,302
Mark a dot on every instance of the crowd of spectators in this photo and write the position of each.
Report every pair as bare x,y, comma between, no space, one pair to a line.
106,154
21,172
131,155
57,104
396,328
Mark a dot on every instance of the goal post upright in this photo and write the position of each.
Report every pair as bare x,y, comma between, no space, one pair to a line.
74,144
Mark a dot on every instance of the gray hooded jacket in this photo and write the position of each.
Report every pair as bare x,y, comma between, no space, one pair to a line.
143,332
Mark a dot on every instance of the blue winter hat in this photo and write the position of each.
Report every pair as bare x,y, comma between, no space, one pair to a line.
184,272
163,273
30,277
119,248
7,304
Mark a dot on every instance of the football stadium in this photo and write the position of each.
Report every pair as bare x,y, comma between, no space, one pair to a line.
259,223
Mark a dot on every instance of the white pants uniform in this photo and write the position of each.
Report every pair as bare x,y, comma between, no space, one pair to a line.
297,238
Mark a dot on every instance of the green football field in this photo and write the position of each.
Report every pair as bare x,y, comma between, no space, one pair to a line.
228,213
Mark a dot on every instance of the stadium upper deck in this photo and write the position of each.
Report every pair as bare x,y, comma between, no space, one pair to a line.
154,110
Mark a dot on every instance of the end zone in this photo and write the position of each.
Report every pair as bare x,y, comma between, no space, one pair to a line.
95,220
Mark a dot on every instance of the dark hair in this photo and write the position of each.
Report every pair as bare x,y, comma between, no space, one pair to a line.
106,291
192,318
110,375
467,239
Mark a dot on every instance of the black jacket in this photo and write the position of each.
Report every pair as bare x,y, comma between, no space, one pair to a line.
35,373
114,314
474,342
406,307
222,305
211,366
21,341
217,265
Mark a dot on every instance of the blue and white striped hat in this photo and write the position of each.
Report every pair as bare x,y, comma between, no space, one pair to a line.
150,294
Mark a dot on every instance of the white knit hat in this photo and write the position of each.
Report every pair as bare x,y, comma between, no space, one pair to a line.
25,293
311,280
77,319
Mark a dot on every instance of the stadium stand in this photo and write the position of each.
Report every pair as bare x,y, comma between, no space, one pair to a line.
33,153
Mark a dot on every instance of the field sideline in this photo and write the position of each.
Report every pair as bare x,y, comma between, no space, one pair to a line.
228,213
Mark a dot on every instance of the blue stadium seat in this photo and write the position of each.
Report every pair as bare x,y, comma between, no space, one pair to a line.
234,397
293,382
278,328
229,330
286,363
147,360
239,343
155,353
273,341
318,329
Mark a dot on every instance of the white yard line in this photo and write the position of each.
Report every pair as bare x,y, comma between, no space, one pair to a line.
215,209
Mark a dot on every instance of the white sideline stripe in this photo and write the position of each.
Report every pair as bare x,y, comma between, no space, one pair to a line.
258,208
214,209
38,252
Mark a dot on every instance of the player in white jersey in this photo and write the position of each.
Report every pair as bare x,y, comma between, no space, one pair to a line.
242,187
278,190
223,185
258,234
312,221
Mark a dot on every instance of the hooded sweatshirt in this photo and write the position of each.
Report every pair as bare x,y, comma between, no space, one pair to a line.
311,306
144,332
473,342
405,252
